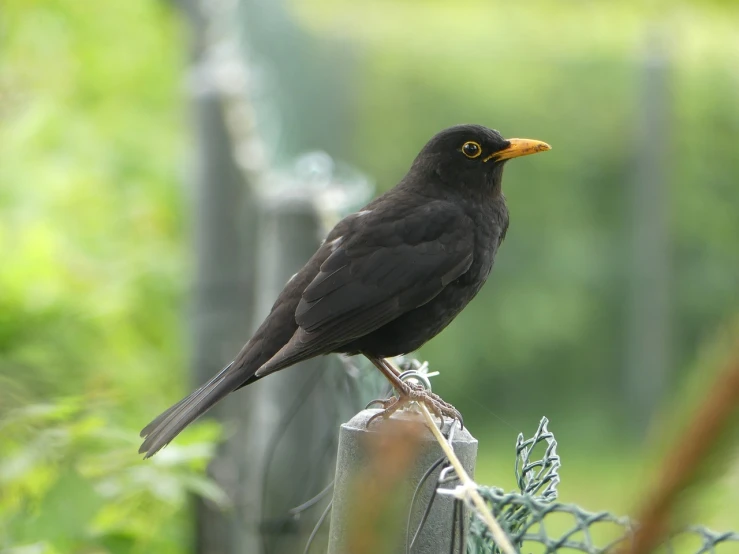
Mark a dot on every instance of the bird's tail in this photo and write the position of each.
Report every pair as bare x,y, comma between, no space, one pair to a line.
170,423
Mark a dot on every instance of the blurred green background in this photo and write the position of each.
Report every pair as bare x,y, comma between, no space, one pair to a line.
96,263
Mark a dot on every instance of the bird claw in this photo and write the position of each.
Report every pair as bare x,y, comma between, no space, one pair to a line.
415,393
385,403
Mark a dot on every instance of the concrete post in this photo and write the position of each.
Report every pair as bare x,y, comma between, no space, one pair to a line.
377,472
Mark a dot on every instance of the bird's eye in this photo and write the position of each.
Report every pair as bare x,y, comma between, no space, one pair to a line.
471,149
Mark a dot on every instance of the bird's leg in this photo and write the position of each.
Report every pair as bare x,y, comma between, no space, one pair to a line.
408,392
392,374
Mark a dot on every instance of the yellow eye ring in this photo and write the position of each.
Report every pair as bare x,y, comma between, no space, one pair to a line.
471,149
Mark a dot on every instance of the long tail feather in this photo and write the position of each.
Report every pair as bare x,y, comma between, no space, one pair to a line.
171,422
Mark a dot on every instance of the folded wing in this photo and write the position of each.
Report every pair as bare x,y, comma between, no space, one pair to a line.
372,278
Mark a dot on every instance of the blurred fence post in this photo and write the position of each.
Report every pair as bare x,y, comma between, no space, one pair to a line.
225,246
223,296
290,431
360,473
648,325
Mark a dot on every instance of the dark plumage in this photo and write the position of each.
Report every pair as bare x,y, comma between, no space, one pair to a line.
387,278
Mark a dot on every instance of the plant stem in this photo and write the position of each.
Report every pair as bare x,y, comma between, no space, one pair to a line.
470,487
468,484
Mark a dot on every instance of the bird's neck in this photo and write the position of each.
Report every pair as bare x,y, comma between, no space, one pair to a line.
495,181
479,188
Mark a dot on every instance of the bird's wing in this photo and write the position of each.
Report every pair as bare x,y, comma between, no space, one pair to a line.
380,269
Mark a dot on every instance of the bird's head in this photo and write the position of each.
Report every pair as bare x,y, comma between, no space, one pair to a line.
472,156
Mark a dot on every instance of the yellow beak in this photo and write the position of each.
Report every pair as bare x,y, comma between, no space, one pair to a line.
517,148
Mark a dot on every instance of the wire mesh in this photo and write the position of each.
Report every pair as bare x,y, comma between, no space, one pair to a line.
529,516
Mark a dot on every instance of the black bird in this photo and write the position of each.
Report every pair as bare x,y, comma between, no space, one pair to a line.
386,279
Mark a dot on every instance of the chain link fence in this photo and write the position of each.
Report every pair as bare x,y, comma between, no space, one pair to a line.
528,516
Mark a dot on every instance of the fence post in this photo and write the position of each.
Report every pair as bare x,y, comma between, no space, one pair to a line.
291,418
648,350
359,481
224,241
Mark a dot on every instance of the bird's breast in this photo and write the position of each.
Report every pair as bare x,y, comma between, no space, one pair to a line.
491,224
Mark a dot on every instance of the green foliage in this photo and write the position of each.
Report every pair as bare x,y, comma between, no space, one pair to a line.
91,279
72,481
91,225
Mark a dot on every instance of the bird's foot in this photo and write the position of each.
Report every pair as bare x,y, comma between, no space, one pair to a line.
384,402
410,393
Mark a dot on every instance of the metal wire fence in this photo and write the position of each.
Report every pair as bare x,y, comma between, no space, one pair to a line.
531,515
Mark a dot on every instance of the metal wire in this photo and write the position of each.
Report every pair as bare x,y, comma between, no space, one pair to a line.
317,527
409,543
443,479
313,501
524,514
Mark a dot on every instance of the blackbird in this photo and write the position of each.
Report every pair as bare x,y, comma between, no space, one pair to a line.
386,279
